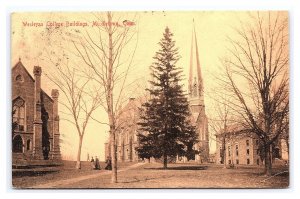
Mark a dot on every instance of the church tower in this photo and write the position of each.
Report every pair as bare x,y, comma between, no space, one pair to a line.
196,101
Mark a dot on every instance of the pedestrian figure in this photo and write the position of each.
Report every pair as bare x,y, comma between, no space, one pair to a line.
108,163
97,164
93,163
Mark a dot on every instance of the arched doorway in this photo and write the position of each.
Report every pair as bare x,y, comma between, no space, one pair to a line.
17,144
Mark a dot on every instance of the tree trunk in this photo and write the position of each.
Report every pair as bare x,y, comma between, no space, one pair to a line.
113,157
165,161
109,99
268,161
78,162
224,153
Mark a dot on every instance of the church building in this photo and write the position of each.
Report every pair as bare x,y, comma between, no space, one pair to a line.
127,130
196,102
126,139
35,120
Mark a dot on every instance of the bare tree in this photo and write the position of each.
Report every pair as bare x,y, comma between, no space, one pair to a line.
219,126
106,51
81,98
256,77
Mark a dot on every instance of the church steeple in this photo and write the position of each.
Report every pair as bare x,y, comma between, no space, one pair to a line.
195,76
196,101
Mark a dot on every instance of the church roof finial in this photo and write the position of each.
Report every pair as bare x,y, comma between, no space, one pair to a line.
19,59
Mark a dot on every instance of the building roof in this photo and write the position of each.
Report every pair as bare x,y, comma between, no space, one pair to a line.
20,64
44,93
233,129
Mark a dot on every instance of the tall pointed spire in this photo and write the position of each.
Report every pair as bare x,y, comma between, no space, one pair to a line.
195,87
191,66
200,82
196,100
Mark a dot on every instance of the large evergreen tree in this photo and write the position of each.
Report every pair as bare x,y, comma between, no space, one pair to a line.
165,118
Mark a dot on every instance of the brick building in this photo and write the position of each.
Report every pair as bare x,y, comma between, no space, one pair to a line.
35,120
242,148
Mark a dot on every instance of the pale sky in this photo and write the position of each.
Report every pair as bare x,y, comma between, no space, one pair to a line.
212,28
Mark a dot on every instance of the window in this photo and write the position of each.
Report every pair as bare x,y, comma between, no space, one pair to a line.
257,161
19,114
229,154
237,150
229,161
248,151
257,152
247,142
237,161
248,161
19,78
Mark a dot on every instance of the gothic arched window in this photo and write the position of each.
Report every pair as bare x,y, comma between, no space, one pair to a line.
19,114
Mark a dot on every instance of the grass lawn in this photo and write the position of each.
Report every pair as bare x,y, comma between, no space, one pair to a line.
176,176
67,170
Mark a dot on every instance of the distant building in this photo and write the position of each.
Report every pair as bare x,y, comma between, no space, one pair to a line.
35,133
126,136
242,148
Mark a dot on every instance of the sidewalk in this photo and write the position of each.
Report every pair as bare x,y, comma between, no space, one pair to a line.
62,183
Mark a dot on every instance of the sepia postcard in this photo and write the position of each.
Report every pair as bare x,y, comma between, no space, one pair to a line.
150,99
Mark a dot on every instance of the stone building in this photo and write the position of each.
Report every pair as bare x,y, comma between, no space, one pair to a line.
126,137
196,102
242,148
35,120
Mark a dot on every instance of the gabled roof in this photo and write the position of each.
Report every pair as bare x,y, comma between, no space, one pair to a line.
20,64
44,93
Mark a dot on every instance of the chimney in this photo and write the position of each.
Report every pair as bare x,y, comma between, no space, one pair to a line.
37,71
54,95
56,155
37,124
